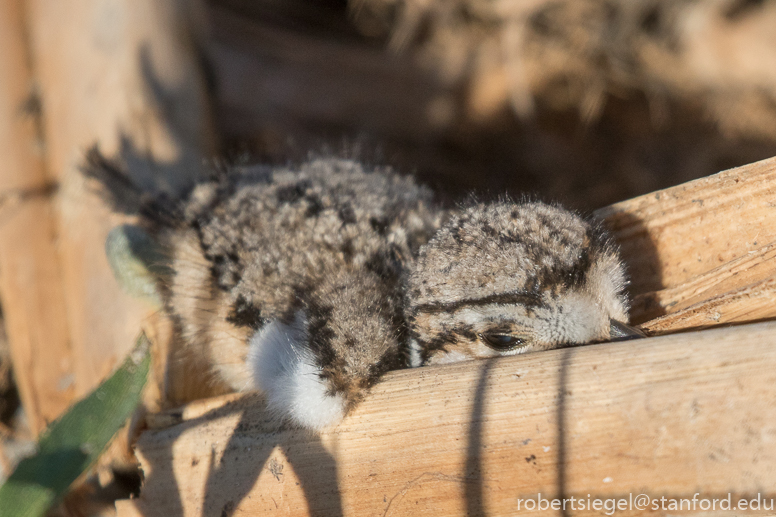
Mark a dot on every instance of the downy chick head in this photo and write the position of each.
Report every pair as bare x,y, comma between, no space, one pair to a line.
510,278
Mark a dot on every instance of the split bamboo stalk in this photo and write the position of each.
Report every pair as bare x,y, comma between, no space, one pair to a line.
672,415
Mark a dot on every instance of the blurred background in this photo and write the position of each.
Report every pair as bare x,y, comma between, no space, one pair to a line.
586,102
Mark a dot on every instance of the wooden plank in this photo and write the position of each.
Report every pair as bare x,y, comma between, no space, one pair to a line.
125,75
673,415
30,277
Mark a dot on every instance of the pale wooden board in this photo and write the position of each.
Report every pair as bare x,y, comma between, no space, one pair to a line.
672,415
30,279
125,75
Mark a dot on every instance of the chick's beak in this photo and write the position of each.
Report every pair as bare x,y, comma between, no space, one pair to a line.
619,331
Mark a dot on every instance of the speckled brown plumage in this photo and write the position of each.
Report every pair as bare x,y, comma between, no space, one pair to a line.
327,240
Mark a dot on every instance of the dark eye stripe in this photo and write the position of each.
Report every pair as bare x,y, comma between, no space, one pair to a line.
526,299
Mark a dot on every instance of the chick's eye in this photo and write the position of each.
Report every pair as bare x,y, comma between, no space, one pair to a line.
502,342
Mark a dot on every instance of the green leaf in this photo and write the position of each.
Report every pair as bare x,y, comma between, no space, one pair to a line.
72,443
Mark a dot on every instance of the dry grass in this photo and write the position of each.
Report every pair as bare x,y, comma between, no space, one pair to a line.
583,101
720,56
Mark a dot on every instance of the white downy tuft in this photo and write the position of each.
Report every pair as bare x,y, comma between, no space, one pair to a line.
286,371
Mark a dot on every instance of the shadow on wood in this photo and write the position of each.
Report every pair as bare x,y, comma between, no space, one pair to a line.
674,414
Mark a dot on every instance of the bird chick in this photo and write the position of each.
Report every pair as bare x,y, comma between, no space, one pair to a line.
288,280
309,283
509,278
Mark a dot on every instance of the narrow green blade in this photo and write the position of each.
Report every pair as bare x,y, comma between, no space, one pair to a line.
72,443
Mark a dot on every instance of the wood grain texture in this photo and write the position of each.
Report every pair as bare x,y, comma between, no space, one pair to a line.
753,302
670,236
673,415
30,277
697,242
747,269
